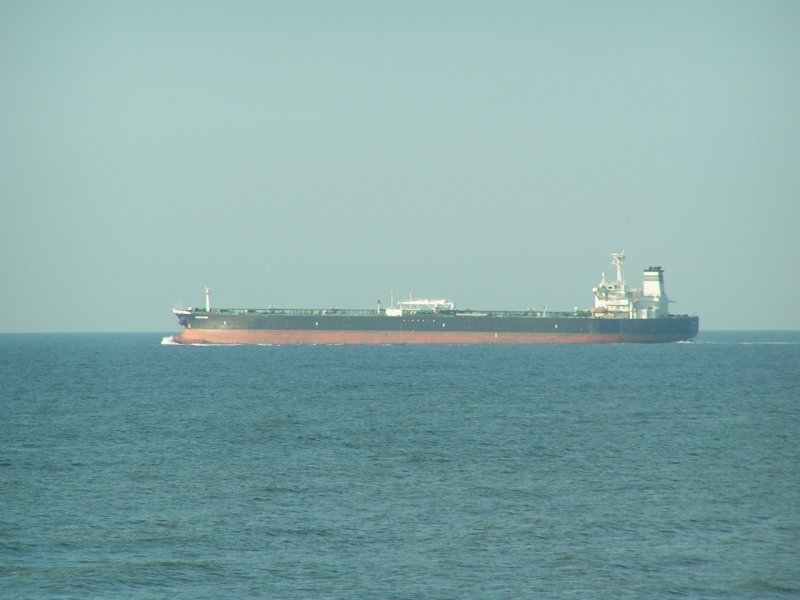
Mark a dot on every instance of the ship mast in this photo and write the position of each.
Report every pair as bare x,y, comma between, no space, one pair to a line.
617,258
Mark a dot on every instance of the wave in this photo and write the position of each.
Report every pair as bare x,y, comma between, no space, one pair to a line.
170,341
770,343
745,343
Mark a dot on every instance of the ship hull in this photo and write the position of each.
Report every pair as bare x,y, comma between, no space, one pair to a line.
383,338
247,329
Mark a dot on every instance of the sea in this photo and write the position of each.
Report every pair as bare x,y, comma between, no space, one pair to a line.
131,467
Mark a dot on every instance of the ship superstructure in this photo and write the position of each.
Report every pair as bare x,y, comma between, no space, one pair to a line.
614,299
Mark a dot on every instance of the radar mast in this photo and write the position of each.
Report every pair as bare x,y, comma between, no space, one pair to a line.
617,258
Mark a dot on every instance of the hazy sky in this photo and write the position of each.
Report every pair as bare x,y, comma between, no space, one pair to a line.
324,153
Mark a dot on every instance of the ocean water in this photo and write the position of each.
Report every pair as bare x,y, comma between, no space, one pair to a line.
134,469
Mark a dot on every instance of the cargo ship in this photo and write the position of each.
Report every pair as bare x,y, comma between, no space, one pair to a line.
620,315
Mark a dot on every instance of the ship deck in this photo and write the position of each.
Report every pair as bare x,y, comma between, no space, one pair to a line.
358,312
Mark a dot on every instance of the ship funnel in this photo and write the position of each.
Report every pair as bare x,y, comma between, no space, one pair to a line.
654,296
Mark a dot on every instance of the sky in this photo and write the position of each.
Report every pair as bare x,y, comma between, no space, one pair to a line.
316,154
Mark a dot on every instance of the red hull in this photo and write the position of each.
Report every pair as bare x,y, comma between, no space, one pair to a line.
379,338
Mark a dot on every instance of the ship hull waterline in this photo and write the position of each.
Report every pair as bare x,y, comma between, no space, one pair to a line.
382,338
